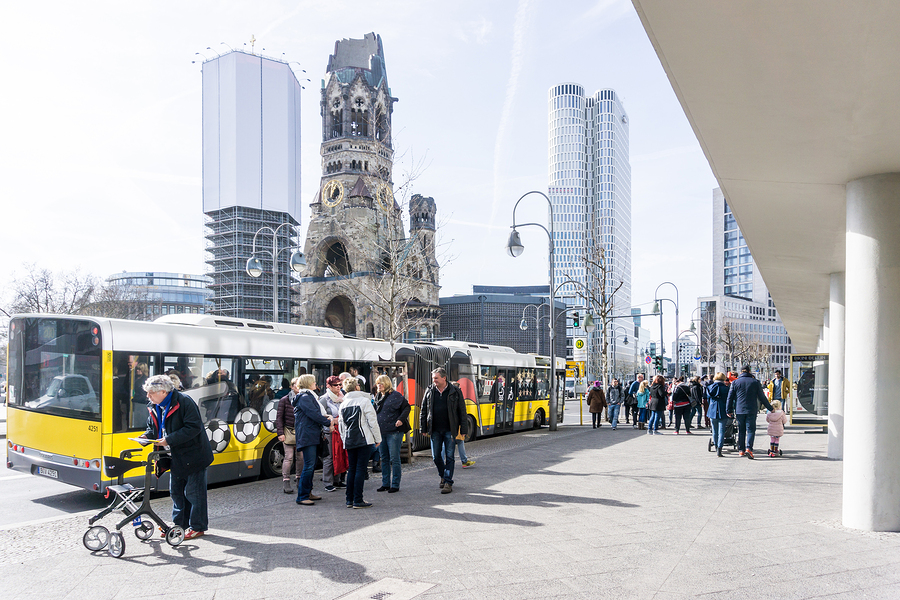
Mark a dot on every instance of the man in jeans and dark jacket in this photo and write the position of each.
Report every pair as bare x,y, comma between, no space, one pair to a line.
615,396
443,415
744,396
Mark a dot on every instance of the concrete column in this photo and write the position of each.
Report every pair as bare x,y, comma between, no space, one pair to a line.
871,490
836,368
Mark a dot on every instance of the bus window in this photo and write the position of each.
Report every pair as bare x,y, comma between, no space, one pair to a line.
543,384
486,376
55,367
131,370
209,383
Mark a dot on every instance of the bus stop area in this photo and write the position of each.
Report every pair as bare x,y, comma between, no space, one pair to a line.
577,513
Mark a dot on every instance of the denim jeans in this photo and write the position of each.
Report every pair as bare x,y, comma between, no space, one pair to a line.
443,453
390,459
358,459
642,415
614,414
461,447
697,410
718,432
653,424
189,501
746,431
305,481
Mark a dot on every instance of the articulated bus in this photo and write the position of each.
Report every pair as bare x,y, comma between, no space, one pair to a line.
75,386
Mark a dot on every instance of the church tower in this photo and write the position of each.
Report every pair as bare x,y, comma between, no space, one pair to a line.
355,241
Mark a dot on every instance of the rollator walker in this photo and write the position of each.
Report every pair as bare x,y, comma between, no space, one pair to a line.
133,502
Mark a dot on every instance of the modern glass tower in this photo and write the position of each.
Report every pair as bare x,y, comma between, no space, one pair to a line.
590,189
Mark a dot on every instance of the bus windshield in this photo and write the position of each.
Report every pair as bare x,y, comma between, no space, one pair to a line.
54,366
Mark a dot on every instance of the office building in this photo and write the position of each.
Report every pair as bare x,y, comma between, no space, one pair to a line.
251,179
493,315
160,293
739,323
590,191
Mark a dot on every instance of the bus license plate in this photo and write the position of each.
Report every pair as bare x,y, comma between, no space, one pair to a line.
48,472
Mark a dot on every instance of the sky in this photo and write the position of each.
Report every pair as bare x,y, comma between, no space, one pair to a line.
100,161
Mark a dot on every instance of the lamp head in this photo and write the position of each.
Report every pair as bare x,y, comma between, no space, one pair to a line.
625,341
298,261
523,325
656,308
254,267
693,327
514,246
589,324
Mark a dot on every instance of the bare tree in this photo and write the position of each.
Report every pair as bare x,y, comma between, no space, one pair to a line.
40,291
120,302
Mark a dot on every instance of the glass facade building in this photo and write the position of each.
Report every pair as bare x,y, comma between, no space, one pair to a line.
167,293
590,190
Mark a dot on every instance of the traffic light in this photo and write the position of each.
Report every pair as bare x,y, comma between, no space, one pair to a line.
576,322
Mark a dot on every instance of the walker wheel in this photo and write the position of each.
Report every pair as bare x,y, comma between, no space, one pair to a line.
96,538
175,535
144,531
116,546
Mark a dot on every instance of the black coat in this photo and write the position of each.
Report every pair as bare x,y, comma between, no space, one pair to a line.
456,407
191,452
744,396
390,409
659,397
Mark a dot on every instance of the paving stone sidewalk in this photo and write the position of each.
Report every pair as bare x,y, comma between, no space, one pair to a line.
578,513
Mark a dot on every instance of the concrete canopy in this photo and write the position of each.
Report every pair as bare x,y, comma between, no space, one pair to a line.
789,101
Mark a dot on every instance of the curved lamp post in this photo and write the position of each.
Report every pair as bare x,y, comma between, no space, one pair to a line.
515,248
255,266
523,325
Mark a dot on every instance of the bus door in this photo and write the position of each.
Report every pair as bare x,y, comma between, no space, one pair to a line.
322,371
505,388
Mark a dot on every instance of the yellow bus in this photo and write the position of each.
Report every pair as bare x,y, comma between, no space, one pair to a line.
75,386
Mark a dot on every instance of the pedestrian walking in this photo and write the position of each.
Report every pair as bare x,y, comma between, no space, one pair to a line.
776,421
596,401
615,396
175,421
632,396
744,397
718,394
779,388
697,394
443,416
358,424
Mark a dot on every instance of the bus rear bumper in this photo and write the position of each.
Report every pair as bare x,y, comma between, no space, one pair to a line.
85,478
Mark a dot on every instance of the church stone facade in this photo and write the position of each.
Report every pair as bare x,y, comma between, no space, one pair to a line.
356,249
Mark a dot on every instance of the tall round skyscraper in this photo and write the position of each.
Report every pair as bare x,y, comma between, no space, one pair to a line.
590,188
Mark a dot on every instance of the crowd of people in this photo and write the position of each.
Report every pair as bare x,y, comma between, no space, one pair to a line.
731,400
348,427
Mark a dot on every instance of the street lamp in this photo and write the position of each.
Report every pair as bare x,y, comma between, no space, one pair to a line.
255,267
624,341
523,325
515,248
658,307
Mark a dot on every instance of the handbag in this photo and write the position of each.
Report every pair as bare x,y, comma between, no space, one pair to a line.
670,406
290,436
323,449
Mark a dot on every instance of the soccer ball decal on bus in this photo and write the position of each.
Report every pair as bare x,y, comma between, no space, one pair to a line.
270,413
247,425
218,434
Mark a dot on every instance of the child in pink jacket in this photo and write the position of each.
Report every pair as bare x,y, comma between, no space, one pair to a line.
777,420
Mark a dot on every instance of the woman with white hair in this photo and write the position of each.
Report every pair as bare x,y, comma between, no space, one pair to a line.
175,422
361,435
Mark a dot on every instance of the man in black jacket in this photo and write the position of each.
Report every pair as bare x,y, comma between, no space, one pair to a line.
175,422
443,415
744,397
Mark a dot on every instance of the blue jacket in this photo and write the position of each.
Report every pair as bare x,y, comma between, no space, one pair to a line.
308,419
744,396
717,392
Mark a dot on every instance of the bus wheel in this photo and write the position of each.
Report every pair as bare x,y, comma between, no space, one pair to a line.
273,458
538,419
470,435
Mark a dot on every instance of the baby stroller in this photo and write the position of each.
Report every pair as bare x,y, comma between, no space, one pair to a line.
133,502
729,437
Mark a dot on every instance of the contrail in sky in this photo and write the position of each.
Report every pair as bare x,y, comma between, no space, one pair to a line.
524,14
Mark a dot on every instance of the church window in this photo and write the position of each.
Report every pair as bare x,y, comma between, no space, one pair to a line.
359,123
337,123
370,331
